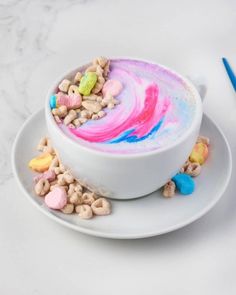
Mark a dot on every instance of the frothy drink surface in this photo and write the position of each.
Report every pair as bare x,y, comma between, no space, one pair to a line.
156,108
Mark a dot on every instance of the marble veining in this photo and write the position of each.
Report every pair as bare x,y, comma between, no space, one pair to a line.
188,36
25,34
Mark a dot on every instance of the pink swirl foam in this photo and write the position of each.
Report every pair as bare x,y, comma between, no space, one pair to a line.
156,108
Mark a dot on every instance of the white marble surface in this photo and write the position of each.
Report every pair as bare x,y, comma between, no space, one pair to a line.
39,40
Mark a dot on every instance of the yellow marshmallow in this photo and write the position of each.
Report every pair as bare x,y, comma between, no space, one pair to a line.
41,163
199,153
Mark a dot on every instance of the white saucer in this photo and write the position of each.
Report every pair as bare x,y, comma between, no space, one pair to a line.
144,217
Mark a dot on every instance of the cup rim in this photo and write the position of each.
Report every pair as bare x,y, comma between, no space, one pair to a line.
195,122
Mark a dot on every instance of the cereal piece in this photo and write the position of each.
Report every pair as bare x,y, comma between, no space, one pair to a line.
49,149
99,71
75,187
61,111
112,87
184,183
203,139
72,115
57,119
184,167
92,68
41,163
73,89
49,175
54,163
88,198
62,168
65,178
45,145
95,117
109,101
101,114
99,98
69,178
86,114
57,155
78,77
76,122
64,85
101,61
56,199
61,179
106,69
48,146
42,187
92,106
84,211
99,85
101,207
71,189
75,198
199,153
169,189
193,169
87,83
104,63
68,209
53,182
42,143
82,120
92,97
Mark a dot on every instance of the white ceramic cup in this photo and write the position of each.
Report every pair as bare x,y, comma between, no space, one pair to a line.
124,176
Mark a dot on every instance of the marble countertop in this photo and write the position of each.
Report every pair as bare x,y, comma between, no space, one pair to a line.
40,40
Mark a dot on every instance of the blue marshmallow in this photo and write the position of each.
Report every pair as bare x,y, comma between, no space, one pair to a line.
184,183
53,101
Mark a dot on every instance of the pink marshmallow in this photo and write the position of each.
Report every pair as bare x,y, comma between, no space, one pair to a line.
112,87
56,199
71,101
49,175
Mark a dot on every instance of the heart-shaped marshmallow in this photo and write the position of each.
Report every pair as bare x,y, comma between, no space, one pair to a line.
112,87
56,199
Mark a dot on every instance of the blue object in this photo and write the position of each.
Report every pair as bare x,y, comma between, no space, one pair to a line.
184,183
230,72
53,101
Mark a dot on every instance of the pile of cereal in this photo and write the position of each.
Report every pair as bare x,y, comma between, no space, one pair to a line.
183,181
59,187
86,97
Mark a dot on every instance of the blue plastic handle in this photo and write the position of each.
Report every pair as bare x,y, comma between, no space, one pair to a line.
230,72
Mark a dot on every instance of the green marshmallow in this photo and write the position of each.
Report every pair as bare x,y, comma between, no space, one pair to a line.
87,83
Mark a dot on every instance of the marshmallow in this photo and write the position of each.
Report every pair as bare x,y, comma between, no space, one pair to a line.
199,153
53,101
41,163
56,199
184,183
49,175
112,87
72,101
87,83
